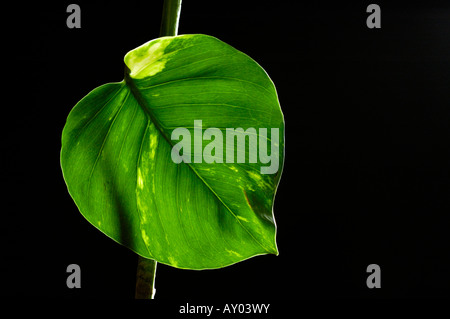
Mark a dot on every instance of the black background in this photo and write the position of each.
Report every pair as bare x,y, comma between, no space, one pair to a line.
366,176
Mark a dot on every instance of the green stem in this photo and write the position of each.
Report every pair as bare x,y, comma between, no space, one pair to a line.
145,278
146,269
170,18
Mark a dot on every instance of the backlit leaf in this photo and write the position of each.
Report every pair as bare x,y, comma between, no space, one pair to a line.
118,165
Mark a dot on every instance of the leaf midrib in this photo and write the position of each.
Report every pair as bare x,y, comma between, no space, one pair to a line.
147,110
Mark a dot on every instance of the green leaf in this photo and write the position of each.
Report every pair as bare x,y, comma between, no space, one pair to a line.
118,165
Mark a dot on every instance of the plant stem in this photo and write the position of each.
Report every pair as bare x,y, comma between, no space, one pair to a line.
146,269
145,278
170,18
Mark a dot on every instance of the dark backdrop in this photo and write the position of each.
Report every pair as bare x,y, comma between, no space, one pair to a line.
366,177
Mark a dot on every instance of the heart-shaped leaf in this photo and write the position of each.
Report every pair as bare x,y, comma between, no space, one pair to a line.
180,161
